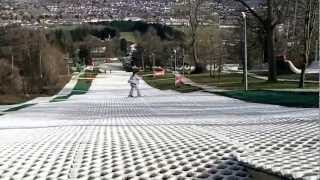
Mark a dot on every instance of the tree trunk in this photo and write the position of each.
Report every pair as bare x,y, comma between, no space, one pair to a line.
195,59
214,69
220,63
269,24
270,55
302,75
211,63
269,27
143,64
307,47
29,86
194,50
23,86
310,15
150,63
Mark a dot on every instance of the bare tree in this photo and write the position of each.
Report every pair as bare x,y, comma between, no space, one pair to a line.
31,59
209,47
193,15
276,11
54,65
152,45
311,7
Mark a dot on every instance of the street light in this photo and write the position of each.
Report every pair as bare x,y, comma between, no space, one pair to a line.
153,60
12,59
171,61
175,59
183,61
40,65
245,68
142,61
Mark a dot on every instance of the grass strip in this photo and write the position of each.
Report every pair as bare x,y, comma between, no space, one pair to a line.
19,107
283,98
82,86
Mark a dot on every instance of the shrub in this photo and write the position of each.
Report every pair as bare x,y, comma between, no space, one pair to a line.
11,81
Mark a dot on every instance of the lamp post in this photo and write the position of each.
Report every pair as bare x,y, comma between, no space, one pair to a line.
183,61
153,60
12,63
171,61
142,61
40,64
12,60
316,57
175,59
245,68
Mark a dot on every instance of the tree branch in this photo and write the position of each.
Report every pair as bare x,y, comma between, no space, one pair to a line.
253,12
282,11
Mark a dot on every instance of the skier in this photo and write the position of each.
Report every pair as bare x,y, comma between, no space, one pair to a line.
134,83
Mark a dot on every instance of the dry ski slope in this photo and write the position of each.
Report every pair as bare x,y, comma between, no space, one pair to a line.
163,135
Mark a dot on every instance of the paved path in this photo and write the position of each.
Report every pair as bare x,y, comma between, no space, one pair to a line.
163,135
279,79
256,76
206,88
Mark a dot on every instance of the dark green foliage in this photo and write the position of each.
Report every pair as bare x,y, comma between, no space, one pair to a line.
84,54
80,33
65,38
163,31
3,41
105,33
137,56
123,45
62,39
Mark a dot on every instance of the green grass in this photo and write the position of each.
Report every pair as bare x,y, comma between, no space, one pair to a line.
168,83
65,27
309,77
180,28
201,28
129,36
234,82
290,99
19,107
82,87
